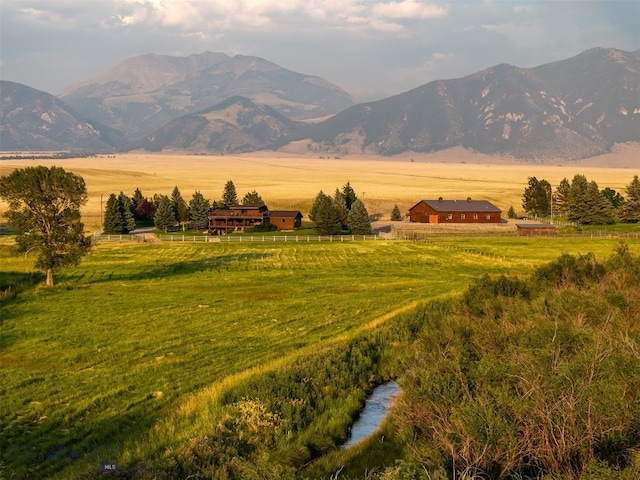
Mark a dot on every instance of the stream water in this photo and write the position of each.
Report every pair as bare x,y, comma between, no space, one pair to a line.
375,411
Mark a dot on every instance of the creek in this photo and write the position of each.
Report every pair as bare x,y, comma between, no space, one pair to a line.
376,409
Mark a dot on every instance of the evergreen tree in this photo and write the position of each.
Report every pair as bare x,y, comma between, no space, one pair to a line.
229,195
349,195
252,198
358,220
136,199
340,202
597,209
631,205
396,215
180,208
164,217
327,217
511,213
125,207
199,211
578,208
537,197
561,197
112,223
314,207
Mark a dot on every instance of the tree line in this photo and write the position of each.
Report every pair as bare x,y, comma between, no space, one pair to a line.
582,201
165,211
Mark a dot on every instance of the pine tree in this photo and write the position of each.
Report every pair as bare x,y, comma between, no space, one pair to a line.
229,195
136,199
112,223
631,205
326,217
340,202
578,208
396,215
358,219
511,213
349,195
199,211
614,197
164,217
314,206
252,198
180,208
561,197
126,213
597,209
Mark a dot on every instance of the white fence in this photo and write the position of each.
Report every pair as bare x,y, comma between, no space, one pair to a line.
266,238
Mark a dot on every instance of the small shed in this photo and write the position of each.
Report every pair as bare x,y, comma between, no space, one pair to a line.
286,219
454,211
535,229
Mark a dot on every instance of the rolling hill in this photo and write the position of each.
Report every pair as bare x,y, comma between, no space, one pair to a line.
34,120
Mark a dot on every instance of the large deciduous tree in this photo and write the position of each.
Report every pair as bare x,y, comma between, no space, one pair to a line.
44,207
537,197
252,198
325,214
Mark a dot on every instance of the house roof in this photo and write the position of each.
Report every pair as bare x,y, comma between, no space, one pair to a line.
480,206
285,213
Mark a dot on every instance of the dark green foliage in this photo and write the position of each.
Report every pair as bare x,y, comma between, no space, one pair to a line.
199,211
229,195
631,206
44,207
118,217
577,198
180,208
537,197
349,195
542,380
165,216
327,216
125,206
252,198
396,215
614,197
358,219
561,197
137,198
511,213
314,207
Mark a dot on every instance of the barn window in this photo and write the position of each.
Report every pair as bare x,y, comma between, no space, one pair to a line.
282,220
450,216
488,216
462,216
475,216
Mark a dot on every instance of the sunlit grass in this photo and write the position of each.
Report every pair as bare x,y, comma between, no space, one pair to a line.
145,334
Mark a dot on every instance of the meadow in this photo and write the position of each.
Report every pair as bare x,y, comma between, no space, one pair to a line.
287,181
132,355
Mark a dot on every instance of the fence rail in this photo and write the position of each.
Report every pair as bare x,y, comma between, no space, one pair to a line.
266,238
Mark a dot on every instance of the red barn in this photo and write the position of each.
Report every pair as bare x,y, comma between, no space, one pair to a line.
455,211
286,219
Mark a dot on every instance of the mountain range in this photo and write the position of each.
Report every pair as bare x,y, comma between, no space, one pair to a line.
212,103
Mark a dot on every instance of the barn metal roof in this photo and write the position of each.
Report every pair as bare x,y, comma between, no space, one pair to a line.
480,206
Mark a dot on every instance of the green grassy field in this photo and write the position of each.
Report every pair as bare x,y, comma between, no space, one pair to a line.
125,353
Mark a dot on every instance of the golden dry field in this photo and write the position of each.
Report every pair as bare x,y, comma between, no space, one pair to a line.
290,181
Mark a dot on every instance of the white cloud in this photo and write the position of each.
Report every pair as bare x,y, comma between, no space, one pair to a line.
409,9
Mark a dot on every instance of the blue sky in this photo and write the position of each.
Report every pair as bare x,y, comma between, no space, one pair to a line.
386,46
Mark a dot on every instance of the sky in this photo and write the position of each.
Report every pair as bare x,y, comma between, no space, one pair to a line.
368,47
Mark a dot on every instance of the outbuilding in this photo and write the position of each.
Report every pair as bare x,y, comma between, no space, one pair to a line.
286,219
535,229
454,211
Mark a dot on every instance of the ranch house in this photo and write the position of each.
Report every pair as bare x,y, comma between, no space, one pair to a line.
241,217
454,211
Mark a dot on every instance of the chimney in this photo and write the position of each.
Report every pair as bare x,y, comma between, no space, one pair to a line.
468,199
439,199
